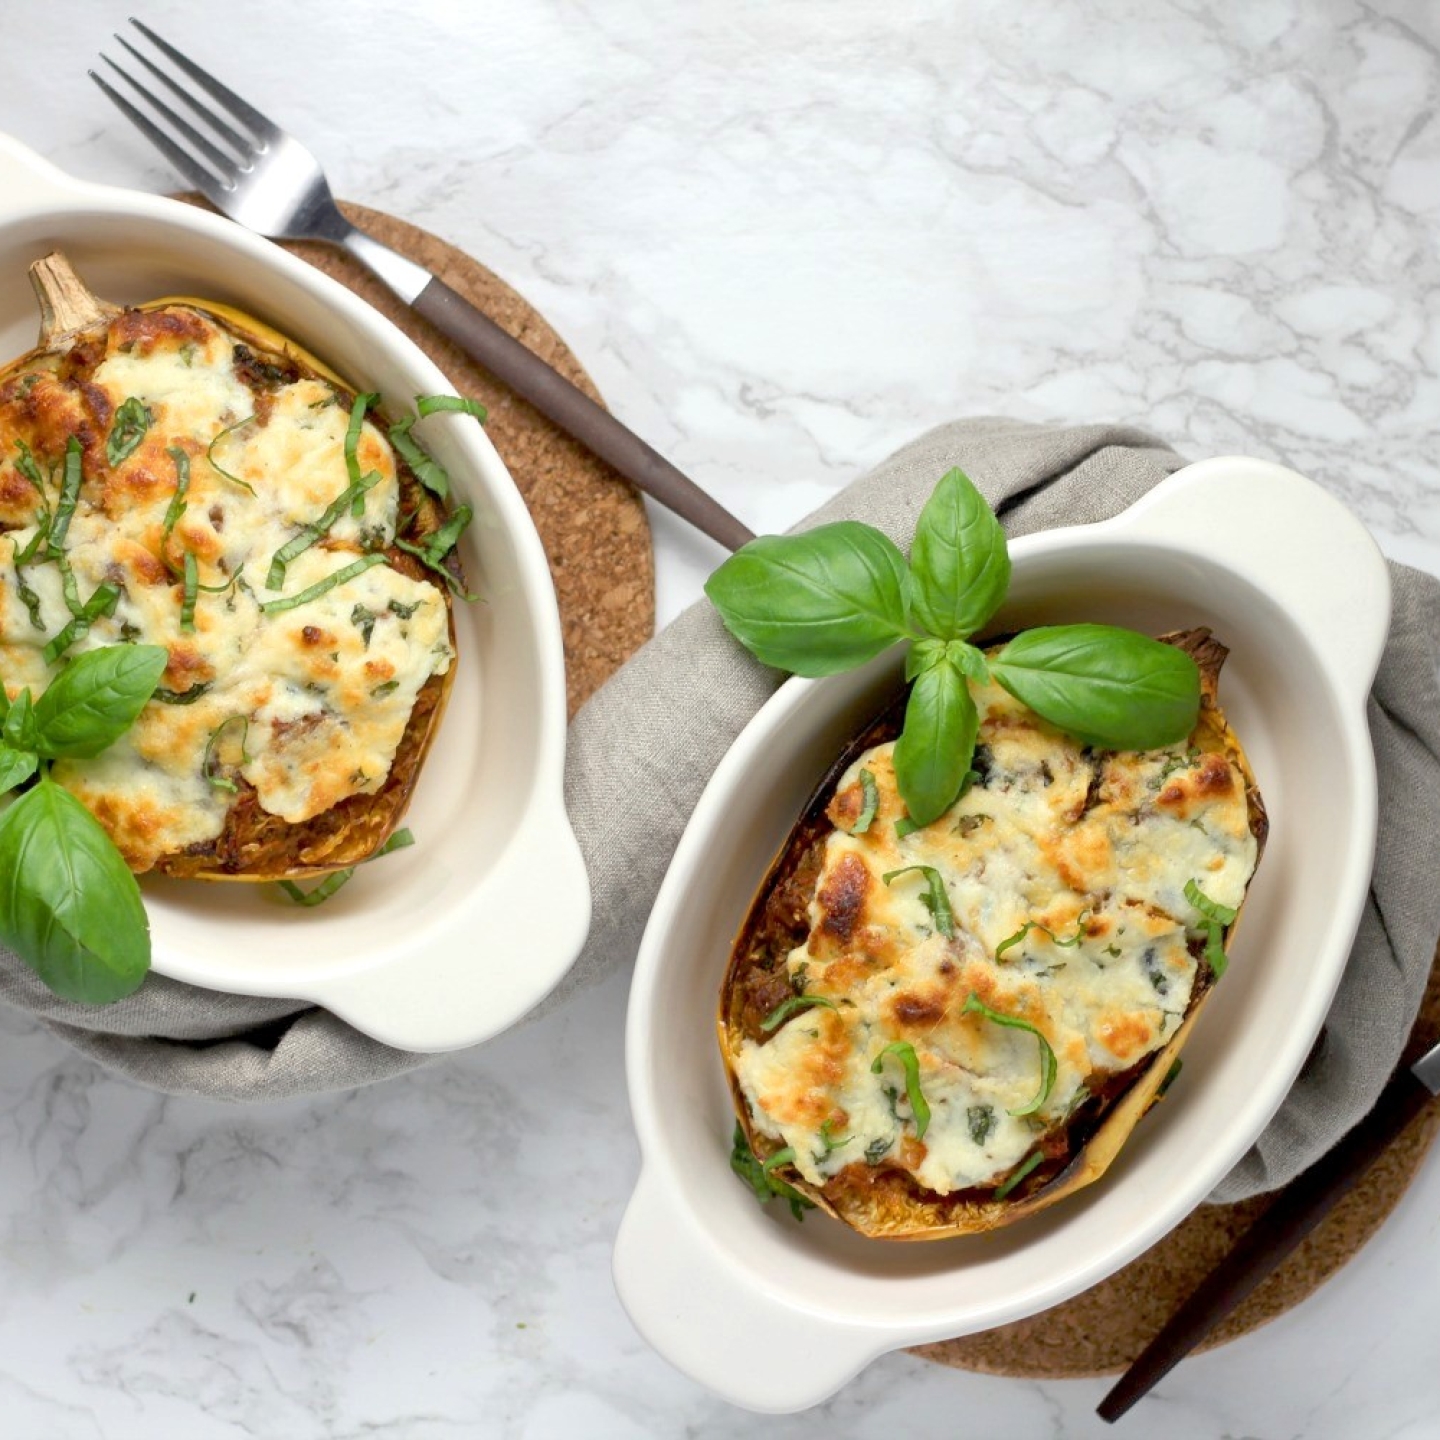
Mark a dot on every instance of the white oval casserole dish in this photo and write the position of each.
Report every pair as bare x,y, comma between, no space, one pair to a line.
442,945
775,1315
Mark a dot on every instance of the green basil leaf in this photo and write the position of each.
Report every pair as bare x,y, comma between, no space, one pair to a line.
1019,1173
162,696
432,404
69,496
904,1052
426,469
132,422
16,767
817,603
215,464
932,755
320,587
95,699
69,906
1210,909
959,565
102,602
969,661
18,729
786,1008
1108,687
757,1175
1049,1066
981,1120
1055,939
935,899
923,655
869,803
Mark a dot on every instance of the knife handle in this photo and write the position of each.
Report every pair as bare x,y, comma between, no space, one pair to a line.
575,412
1297,1210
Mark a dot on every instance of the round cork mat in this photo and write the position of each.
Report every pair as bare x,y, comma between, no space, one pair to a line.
591,522
1100,1331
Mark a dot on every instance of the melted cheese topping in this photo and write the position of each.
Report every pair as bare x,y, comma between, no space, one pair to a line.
324,689
1094,847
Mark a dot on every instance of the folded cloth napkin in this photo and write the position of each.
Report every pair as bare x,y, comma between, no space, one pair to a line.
646,743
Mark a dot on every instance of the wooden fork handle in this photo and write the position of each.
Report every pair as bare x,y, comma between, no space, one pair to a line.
575,412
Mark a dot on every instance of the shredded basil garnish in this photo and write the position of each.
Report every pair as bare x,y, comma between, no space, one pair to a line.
187,600
765,1185
904,1051
432,404
934,899
1210,909
833,1142
317,529
102,602
338,577
981,1120
1030,925
25,464
363,619
435,547
177,505
69,494
333,882
182,697
1171,1076
215,464
1019,1173
1217,917
29,599
209,759
427,470
869,803
786,1008
363,402
41,537
132,421
1049,1066
386,687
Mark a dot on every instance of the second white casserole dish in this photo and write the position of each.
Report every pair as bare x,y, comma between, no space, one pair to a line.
775,1315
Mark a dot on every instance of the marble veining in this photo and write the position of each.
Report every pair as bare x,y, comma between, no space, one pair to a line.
784,240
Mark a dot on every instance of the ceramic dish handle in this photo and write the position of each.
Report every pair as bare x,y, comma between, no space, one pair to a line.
1233,509
715,1324
545,912
26,181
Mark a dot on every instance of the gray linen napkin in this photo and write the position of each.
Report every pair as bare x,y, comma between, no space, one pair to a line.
643,747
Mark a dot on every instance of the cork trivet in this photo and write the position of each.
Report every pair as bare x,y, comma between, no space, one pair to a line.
591,523
1100,1331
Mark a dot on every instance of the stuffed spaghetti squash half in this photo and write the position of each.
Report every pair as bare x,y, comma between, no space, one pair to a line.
178,474
936,1031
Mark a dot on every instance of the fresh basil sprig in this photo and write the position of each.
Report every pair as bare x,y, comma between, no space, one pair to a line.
69,906
834,597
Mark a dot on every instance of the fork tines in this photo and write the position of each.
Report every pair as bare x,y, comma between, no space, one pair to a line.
219,168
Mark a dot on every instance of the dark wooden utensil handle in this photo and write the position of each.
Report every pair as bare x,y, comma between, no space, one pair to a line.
1298,1209
576,413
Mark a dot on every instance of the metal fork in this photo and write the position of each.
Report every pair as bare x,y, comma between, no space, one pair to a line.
250,169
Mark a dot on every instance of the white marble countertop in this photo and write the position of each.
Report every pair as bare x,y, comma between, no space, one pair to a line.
783,240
